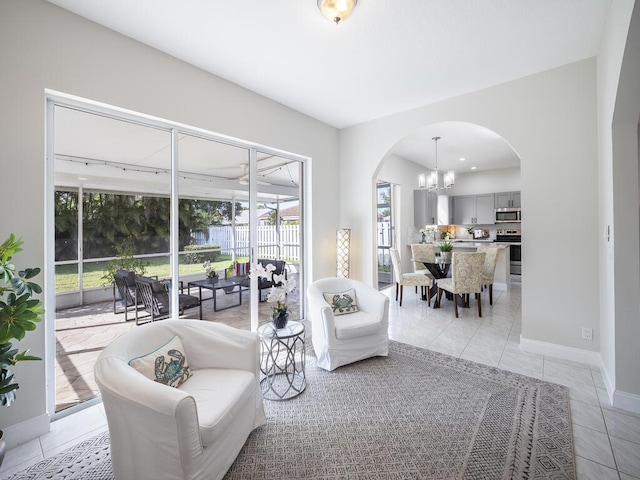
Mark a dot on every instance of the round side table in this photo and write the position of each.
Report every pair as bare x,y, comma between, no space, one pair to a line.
282,360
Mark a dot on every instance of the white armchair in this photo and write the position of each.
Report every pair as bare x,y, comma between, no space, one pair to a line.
342,339
194,431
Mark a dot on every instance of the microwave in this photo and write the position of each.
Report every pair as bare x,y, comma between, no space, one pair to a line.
507,215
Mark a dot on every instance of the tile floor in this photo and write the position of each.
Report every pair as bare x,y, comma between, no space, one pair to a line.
607,440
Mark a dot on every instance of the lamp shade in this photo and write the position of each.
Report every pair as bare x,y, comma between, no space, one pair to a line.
343,252
336,10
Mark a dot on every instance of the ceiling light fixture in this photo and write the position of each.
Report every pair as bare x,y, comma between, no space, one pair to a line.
432,182
336,10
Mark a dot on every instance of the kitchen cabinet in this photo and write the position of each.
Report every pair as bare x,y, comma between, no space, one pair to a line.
430,208
473,209
507,199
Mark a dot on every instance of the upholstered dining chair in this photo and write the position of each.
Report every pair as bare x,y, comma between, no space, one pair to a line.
466,278
490,261
409,279
423,252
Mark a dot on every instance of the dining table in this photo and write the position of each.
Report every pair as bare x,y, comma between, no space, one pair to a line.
439,268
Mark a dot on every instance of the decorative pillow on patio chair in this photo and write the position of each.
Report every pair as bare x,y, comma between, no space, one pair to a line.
155,298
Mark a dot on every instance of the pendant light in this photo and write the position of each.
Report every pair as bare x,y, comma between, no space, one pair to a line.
433,182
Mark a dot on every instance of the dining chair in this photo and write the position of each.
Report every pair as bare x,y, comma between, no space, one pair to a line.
466,278
490,261
423,252
409,279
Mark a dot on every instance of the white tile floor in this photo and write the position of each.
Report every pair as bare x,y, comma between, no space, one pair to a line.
607,440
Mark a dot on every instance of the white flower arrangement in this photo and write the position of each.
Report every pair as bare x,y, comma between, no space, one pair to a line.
281,286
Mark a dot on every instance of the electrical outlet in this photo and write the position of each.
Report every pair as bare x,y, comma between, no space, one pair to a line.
587,333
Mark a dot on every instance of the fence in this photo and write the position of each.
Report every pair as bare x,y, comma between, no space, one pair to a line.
287,248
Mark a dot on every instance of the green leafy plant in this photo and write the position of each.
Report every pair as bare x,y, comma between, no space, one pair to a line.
124,261
446,246
19,314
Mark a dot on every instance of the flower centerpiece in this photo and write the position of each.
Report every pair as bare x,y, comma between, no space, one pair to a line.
209,270
277,295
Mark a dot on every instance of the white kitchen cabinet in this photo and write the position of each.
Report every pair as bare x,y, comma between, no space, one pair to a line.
507,199
430,208
473,209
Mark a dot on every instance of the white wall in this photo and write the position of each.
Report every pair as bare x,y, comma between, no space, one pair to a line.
618,107
43,46
490,181
550,121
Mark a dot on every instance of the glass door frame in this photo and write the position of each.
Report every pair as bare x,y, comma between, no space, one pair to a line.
55,98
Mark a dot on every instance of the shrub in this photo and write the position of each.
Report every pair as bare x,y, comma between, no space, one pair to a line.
197,256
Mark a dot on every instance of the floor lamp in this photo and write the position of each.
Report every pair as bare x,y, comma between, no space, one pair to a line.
343,249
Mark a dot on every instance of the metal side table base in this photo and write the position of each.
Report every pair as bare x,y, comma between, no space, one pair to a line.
282,361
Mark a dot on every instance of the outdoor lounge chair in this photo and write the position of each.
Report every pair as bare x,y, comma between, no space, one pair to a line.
265,283
125,282
155,299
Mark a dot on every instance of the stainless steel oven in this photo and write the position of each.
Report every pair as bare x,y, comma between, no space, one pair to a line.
508,215
513,237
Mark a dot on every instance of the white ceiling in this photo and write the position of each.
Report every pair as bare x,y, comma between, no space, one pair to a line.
387,57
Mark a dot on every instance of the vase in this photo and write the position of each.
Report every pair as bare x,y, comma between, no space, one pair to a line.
446,256
280,319
424,238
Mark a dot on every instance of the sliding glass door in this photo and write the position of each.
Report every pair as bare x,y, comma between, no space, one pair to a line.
189,209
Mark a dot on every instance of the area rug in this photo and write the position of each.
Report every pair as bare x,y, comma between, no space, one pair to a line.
415,414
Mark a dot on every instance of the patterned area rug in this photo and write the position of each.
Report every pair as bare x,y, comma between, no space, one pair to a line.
413,415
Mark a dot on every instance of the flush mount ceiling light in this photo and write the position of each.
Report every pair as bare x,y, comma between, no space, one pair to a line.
432,182
336,10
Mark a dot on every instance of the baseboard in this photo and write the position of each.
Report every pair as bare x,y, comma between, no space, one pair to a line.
626,401
25,431
560,351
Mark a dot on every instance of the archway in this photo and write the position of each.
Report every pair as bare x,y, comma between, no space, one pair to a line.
490,165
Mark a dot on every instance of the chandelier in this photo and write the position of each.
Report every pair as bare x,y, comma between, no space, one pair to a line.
336,10
432,182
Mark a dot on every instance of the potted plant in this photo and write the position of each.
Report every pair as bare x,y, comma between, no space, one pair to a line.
210,271
124,260
19,313
445,250
277,294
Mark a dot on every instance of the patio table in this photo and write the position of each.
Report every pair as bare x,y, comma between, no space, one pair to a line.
215,284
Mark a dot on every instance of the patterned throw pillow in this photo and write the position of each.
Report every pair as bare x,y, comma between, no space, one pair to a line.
342,302
167,364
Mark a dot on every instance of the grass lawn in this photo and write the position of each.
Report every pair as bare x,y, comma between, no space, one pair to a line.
67,275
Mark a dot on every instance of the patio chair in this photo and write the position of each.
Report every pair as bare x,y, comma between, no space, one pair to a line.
265,283
125,283
155,299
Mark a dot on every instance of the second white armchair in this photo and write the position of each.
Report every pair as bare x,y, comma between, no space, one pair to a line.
341,335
